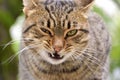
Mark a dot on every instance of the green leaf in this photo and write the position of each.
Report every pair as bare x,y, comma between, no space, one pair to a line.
6,18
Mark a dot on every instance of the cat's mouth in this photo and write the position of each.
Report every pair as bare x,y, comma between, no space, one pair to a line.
55,56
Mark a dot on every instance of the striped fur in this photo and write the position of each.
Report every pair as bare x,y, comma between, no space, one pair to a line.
63,40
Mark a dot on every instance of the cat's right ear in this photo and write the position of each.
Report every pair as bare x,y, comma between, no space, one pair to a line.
30,5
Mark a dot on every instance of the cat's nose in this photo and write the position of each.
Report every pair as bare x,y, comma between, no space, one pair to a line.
57,48
58,44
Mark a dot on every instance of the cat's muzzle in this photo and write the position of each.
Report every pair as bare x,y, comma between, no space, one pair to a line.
55,56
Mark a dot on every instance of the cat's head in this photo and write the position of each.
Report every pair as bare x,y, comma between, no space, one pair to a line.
57,29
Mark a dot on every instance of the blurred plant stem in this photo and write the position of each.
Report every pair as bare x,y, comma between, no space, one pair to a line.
117,3
9,11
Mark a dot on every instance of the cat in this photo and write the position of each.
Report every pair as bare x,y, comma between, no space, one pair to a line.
63,40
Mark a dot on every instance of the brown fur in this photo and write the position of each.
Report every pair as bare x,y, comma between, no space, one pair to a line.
63,40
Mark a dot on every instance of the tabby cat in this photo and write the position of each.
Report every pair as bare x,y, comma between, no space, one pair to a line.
63,40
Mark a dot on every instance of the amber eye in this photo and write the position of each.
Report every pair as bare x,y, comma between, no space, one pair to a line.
46,31
71,33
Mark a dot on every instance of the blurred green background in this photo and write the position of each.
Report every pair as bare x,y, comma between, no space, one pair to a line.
10,10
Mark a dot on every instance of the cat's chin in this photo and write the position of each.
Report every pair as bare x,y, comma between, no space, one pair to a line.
51,59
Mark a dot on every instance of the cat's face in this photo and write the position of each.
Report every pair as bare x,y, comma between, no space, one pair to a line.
56,30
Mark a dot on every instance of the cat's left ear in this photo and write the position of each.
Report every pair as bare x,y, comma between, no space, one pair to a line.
84,5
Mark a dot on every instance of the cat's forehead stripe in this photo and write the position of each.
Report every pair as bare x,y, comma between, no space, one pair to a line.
29,28
57,9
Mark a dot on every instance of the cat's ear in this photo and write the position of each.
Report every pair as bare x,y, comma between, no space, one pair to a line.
30,5
84,5
81,10
27,3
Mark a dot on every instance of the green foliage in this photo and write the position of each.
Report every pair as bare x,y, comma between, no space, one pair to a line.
115,53
9,11
6,18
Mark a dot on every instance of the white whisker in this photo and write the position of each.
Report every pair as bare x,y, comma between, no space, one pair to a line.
12,57
9,43
94,60
81,59
84,63
87,53
92,56
92,50
13,42
20,52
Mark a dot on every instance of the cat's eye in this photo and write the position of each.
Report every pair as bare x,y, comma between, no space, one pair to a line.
72,33
46,31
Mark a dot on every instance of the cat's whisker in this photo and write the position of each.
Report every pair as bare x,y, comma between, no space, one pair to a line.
92,50
76,56
85,63
89,50
94,60
72,57
19,53
91,56
27,39
13,42
86,53
12,57
9,43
